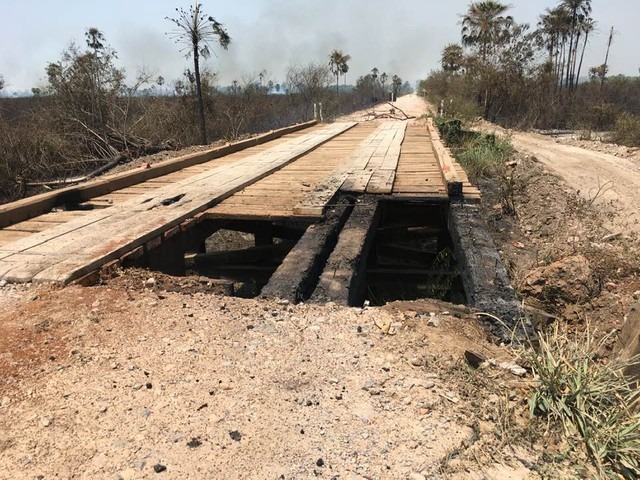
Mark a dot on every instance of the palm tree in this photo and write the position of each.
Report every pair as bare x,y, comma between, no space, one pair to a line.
588,26
374,76
95,39
383,80
485,26
196,31
339,65
344,67
396,83
553,32
452,58
578,10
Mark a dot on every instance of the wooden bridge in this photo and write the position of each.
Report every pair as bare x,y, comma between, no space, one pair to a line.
293,173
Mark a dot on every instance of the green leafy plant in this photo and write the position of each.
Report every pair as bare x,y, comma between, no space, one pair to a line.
485,156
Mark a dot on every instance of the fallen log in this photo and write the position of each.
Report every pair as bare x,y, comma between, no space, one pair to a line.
111,163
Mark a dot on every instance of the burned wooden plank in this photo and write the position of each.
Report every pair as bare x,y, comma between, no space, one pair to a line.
246,255
297,276
486,282
342,280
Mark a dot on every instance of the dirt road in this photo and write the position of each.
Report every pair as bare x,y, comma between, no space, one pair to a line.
595,175
412,105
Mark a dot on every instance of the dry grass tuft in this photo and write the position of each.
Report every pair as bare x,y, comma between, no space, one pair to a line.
587,397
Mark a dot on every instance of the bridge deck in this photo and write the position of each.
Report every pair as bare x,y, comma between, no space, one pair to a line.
296,175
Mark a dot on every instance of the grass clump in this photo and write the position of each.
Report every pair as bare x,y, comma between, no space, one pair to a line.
480,154
627,130
485,156
588,399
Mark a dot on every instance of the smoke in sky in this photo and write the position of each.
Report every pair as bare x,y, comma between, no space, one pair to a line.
404,37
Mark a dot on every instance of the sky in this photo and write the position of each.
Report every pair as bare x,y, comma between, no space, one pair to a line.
403,37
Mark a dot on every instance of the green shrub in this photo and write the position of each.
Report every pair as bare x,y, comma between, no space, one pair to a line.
485,155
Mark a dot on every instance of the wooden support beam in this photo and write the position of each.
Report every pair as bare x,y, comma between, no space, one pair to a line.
342,280
485,278
274,251
410,272
296,277
447,164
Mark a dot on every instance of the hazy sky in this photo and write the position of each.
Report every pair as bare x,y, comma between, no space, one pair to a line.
403,37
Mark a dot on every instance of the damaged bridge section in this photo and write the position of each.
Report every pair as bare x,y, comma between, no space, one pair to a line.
346,213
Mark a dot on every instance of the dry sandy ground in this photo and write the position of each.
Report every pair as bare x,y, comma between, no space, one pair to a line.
116,383
595,175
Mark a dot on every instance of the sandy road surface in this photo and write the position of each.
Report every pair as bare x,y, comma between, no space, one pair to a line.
412,105
589,172
595,175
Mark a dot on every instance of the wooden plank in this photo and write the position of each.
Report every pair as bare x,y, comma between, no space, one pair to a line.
381,182
453,182
357,182
141,219
8,236
61,216
315,203
251,215
342,279
30,207
32,226
36,240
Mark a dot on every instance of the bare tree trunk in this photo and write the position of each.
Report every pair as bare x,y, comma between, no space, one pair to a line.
584,47
564,62
574,79
203,121
573,27
606,61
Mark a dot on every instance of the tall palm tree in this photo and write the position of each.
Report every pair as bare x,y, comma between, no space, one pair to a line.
374,77
554,29
195,31
576,9
396,83
335,61
383,80
588,26
344,67
485,26
339,65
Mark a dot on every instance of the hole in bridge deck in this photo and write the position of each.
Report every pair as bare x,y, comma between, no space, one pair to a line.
233,257
246,259
412,256
408,254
